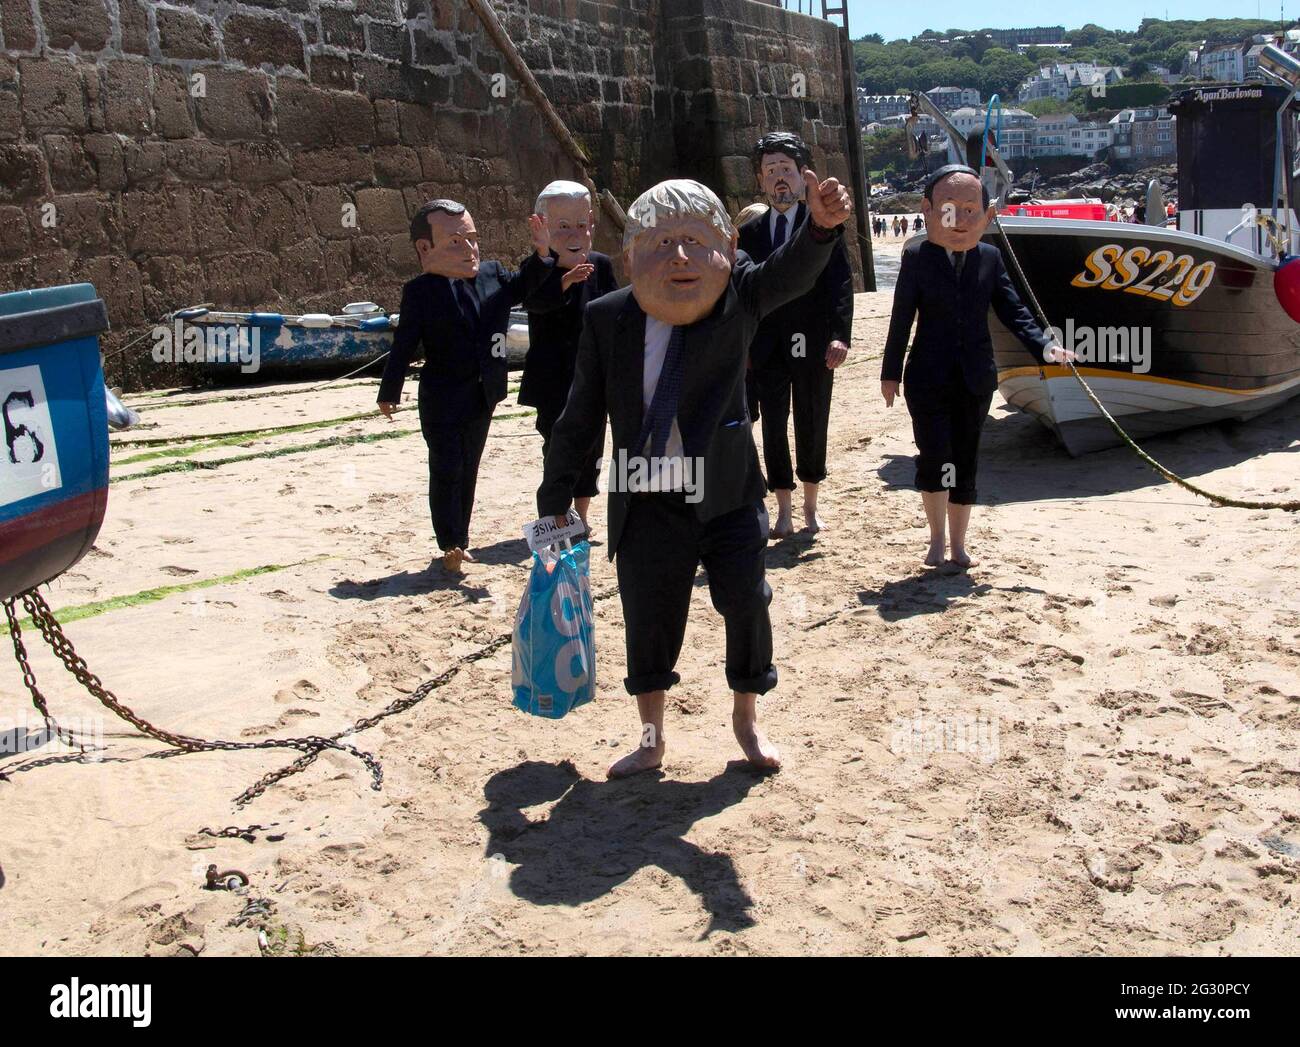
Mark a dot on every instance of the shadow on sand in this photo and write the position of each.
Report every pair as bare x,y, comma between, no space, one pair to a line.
1020,460
408,583
600,834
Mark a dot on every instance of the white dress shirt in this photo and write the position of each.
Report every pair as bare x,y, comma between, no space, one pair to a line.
657,336
790,217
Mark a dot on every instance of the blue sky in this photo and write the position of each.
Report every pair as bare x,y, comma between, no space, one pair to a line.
894,20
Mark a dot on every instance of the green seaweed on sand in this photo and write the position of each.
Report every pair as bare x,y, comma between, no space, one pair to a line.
333,441
77,612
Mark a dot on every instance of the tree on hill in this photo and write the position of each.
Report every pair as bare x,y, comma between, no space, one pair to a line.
976,61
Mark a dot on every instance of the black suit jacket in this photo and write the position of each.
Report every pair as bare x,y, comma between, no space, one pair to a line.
952,322
822,315
554,327
461,373
711,412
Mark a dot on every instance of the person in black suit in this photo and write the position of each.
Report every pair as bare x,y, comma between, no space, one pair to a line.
459,311
665,360
947,283
555,323
798,346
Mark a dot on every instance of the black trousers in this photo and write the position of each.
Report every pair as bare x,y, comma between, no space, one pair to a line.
586,485
454,454
946,424
663,543
810,383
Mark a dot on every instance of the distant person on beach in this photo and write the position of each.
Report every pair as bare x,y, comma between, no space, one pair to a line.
916,224
798,346
458,311
946,283
555,321
664,360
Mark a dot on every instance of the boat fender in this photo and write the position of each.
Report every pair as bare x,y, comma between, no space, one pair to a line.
264,319
316,320
119,415
1286,285
378,323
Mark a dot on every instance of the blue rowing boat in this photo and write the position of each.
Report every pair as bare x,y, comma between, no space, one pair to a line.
54,456
231,344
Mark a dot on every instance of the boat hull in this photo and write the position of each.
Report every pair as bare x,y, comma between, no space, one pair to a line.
1176,330
54,453
285,349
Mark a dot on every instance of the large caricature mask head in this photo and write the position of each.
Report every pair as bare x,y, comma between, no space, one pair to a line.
680,246
445,240
779,159
956,208
570,220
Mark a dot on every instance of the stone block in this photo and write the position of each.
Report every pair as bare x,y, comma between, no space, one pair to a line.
53,95
84,23
256,40
184,34
19,28
232,105
171,103
22,173
126,94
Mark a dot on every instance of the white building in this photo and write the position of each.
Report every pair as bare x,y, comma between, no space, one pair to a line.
1058,80
874,108
1088,139
1222,62
1052,134
1017,129
950,98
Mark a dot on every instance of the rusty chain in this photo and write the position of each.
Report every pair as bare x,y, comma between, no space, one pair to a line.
398,705
52,633
29,680
311,746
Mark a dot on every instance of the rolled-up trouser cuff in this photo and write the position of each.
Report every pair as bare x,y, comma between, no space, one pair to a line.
760,684
648,682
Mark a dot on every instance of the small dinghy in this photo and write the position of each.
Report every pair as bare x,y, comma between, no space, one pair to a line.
53,408
229,345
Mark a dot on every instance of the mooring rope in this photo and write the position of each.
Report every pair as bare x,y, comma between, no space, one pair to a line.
1168,474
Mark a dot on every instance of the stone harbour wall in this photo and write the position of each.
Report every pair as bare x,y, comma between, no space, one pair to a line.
269,154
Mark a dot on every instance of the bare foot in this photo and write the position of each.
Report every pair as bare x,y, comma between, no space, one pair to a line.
754,744
934,557
464,553
644,758
962,559
812,521
451,560
784,527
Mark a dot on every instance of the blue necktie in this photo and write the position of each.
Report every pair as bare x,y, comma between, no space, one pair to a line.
658,421
779,238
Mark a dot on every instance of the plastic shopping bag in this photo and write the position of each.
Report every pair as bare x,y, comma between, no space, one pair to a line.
555,634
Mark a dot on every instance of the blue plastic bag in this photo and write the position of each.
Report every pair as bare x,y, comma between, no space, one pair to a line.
555,635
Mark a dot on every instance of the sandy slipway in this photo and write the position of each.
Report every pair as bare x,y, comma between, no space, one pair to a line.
1087,745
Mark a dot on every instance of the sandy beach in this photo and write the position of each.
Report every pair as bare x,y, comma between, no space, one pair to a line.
1085,745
